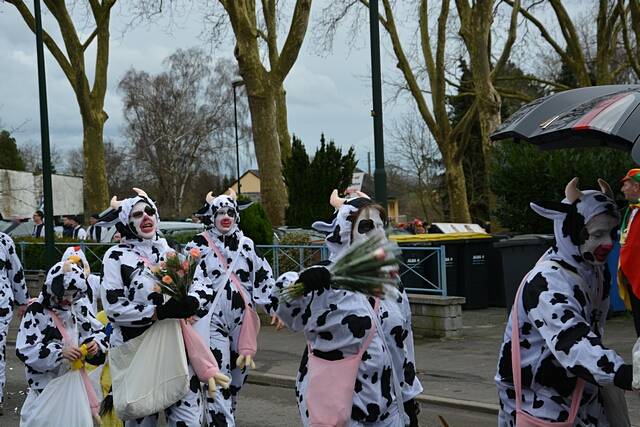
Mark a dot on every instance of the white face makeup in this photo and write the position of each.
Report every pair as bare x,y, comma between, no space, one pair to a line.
144,220
225,219
601,234
369,222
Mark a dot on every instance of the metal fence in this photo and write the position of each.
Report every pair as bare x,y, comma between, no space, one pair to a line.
422,269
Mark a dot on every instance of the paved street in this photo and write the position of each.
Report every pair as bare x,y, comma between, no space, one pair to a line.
461,370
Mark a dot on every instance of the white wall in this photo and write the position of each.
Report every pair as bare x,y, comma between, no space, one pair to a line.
21,194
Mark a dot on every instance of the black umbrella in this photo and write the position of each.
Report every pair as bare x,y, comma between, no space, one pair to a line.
584,117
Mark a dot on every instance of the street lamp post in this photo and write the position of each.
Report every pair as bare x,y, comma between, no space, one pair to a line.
235,84
46,153
380,176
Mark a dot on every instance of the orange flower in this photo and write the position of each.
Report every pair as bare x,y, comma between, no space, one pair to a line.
167,279
195,253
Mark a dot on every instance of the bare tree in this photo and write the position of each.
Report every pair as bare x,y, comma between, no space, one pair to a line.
31,153
630,11
179,121
264,64
89,95
425,78
416,157
601,68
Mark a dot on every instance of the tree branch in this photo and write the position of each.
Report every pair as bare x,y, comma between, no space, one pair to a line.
556,85
511,38
293,43
543,31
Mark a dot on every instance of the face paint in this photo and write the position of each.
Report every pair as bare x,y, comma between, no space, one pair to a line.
143,220
369,222
600,234
225,219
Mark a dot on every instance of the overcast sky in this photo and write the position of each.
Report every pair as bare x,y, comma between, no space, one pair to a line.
329,94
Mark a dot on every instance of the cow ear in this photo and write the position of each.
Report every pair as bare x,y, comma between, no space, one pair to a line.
109,217
551,210
324,227
244,204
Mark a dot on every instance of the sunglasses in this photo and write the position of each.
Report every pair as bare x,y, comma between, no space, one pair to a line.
230,212
147,210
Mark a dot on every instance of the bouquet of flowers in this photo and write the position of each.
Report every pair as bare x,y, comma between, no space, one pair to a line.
175,274
369,267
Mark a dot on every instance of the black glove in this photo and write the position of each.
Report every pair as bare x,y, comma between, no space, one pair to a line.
315,278
174,309
412,409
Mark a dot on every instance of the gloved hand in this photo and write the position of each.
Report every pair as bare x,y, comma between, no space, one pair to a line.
174,309
218,379
315,278
243,361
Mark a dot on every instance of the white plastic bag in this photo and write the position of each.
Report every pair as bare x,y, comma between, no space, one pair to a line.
636,365
63,401
149,373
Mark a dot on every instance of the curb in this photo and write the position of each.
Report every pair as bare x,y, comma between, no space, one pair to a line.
285,381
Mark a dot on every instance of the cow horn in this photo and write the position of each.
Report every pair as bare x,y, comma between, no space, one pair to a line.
115,203
572,192
606,188
361,194
233,194
209,198
140,192
335,200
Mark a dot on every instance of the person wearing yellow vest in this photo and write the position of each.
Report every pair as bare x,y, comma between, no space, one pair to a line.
629,267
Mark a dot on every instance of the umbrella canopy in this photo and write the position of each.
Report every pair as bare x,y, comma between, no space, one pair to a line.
584,117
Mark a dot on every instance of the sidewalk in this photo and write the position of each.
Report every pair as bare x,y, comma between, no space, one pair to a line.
461,370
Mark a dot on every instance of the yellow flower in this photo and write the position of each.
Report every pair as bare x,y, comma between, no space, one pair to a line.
155,269
167,279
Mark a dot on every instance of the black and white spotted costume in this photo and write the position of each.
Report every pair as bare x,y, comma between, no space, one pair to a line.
93,280
336,322
12,290
130,302
39,343
256,277
561,324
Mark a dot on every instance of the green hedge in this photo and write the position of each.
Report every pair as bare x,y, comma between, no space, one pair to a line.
31,252
255,224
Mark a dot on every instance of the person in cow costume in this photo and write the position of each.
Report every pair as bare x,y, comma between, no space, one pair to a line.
130,295
242,279
553,366
93,280
339,325
40,345
13,290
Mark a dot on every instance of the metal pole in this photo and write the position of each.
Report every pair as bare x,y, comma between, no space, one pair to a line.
235,84
235,124
49,250
380,176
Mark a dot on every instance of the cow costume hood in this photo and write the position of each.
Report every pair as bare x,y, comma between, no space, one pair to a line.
63,278
570,218
119,211
339,229
212,204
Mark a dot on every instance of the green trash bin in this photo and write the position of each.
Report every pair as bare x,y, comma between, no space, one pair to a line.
518,255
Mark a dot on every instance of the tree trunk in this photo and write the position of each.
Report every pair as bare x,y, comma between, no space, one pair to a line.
264,127
96,189
456,187
282,123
